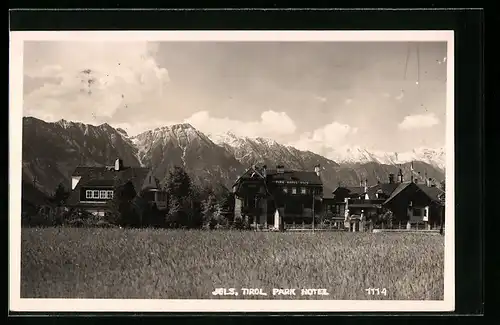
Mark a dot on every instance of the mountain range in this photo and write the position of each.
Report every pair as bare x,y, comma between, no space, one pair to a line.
51,151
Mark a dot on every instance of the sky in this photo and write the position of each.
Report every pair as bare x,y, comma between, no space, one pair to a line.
388,96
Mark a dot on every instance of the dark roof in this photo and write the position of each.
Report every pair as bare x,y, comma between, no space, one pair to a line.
99,182
288,175
357,190
432,192
295,175
104,176
399,188
385,188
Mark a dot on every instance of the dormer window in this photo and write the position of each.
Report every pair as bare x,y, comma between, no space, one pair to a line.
303,190
285,190
99,194
294,190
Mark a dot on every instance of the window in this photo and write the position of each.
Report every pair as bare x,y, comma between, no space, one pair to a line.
285,189
88,194
103,194
294,190
96,194
303,190
417,211
110,194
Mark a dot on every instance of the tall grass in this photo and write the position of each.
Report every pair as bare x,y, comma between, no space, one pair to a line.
177,264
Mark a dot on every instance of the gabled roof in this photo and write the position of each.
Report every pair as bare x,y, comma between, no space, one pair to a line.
399,189
357,190
104,176
432,192
100,182
249,173
385,188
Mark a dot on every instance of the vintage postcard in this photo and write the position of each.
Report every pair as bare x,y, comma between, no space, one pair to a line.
231,171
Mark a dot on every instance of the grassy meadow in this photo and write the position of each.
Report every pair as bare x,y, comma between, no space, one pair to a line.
176,264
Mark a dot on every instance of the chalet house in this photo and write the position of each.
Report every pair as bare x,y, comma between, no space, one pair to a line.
278,196
417,203
93,187
413,201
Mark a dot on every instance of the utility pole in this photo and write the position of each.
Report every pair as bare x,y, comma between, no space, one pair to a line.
313,215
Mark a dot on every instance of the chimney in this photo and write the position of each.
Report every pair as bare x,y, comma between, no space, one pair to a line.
366,185
400,176
264,171
391,178
316,169
118,164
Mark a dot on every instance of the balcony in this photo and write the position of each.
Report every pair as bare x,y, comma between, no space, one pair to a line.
364,203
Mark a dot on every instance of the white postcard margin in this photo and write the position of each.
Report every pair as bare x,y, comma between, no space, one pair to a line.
16,303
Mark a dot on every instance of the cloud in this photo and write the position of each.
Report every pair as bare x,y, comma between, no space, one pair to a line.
325,138
271,124
321,99
348,101
85,81
418,121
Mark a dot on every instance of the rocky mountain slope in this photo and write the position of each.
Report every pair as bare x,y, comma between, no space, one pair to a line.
349,169
183,145
51,151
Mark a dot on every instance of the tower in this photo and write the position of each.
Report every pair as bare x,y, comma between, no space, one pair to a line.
400,176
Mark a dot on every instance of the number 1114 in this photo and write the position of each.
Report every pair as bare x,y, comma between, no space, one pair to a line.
376,291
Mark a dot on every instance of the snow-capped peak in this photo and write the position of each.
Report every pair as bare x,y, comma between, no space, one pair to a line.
63,123
432,156
233,140
344,154
226,138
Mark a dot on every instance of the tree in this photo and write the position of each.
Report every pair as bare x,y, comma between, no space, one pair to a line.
184,199
195,207
224,197
178,183
387,218
174,214
60,195
210,211
142,210
121,208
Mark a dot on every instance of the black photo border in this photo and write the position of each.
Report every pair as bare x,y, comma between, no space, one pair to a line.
468,26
